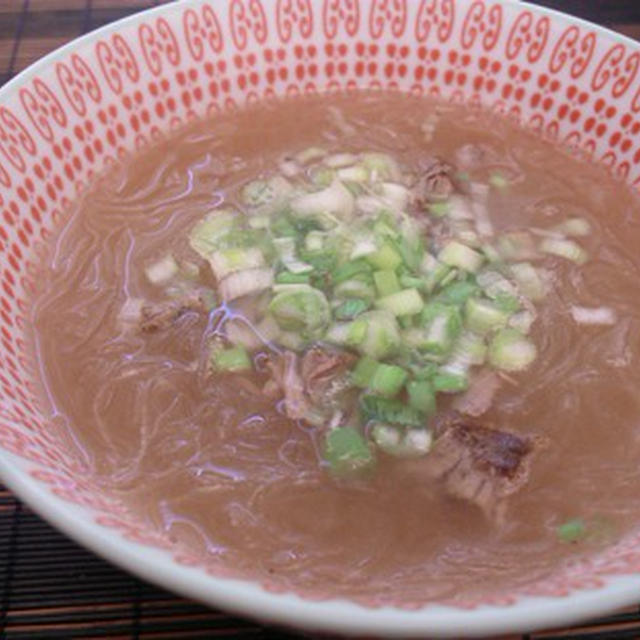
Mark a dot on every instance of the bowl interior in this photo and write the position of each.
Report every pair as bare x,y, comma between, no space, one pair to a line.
113,91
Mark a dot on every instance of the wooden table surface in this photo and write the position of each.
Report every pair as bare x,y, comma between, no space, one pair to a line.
51,588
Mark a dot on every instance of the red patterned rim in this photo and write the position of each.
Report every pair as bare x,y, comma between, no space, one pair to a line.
78,110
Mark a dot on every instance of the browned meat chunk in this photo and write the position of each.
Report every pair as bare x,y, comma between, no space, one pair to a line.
161,315
435,182
480,464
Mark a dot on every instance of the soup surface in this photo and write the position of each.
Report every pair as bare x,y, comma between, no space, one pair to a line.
217,464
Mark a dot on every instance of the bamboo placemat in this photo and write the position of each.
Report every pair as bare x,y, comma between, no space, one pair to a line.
51,588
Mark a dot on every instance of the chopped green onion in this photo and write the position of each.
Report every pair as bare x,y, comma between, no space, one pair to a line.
266,195
364,371
314,241
507,302
375,333
494,284
322,176
286,277
572,530
300,308
457,293
350,309
470,348
456,254
244,283
364,244
355,174
309,155
425,371
511,351
401,443
516,245
336,200
349,270
441,326
490,253
339,333
422,396
206,234
226,261
407,302
381,166
483,316
529,280
450,382
496,179
387,380
522,321
567,249
357,287
347,451
232,359
397,195
385,258
391,411
574,227
338,160
411,282
386,282
437,275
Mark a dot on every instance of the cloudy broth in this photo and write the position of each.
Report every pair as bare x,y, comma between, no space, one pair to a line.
222,470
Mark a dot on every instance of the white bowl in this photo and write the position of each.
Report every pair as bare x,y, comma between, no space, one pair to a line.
75,111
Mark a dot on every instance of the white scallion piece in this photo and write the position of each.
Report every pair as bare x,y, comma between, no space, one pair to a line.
356,173
456,254
340,160
243,283
310,155
227,261
567,249
396,194
162,271
335,200
574,227
594,315
289,168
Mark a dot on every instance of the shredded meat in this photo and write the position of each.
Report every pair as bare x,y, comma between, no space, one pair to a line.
311,383
480,464
286,380
477,399
323,372
161,315
435,182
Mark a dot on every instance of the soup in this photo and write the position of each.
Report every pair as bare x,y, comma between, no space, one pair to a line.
374,346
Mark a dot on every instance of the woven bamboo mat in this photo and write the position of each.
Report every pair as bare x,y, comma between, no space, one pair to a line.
50,587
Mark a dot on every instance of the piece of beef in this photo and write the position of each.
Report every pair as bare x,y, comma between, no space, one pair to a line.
325,372
435,183
311,383
480,464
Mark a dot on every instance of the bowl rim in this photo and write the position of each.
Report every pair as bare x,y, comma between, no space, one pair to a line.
248,598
